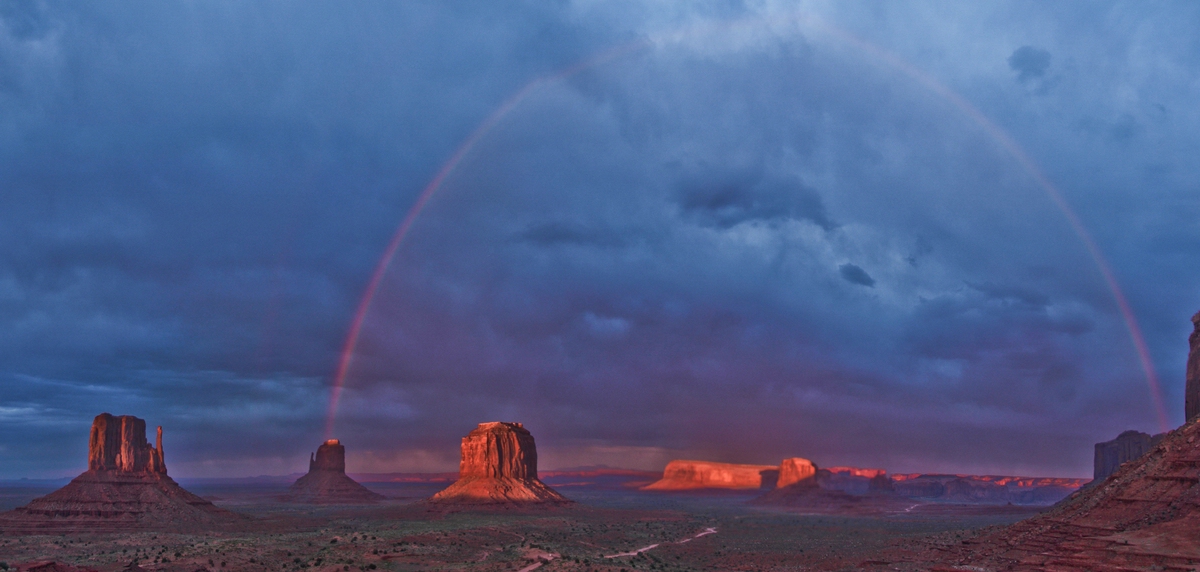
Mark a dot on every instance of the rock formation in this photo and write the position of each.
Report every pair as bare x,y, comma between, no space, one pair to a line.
796,470
126,487
1191,401
1143,517
1130,445
326,481
498,467
690,475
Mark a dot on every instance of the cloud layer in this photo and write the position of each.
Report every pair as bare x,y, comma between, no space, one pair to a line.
743,235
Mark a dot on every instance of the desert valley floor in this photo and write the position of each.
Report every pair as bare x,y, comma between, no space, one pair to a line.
611,527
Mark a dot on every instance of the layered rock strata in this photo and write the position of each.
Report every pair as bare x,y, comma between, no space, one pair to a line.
1191,402
681,475
498,467
1110,455
1145,516
326,481
126,487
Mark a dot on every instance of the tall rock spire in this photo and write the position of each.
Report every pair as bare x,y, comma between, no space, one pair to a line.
1192,391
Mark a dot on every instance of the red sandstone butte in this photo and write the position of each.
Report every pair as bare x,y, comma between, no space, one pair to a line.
126,487
498,467
681,475
326,481
795,470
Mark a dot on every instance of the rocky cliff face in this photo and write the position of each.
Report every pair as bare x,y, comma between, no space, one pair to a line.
498,467
796,470
330,456
1191,402
1144,517
126,487
118,443
683,475
326,481
498,450
1130,445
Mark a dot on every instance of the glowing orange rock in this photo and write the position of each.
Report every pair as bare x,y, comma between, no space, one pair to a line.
118,443
682,475
499,466
795,470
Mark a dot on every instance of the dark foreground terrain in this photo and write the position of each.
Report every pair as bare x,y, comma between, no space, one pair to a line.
610,528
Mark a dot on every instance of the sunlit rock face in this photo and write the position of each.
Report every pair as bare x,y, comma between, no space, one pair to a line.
118,443
796,470
683,475
326,481
1191,403
498,467
1128,446
126,487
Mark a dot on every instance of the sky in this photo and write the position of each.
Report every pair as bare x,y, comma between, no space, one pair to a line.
721,230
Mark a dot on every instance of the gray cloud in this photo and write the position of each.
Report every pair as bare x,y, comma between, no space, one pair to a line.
856,275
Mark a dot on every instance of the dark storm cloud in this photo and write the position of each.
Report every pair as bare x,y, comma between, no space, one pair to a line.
644,259
1029,62
725,201
856,275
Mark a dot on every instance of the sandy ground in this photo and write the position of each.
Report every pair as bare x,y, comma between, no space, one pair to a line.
609,529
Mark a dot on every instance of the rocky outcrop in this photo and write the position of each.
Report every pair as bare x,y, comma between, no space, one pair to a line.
1128,446
683,475
1143,517
1191,401
498,467
326,481
126,487
796,470
119,444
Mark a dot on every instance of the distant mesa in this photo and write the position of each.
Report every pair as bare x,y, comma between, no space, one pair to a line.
126,487
1128,446
682,475
326,481
1191,401
797,470
498,467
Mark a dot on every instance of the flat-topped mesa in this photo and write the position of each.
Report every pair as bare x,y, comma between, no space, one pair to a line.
1191,398
682,475
326,481
498,467
118,443
498,449
126,487
797,470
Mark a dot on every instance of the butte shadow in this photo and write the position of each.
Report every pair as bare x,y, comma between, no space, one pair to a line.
498,470
126,487
326,481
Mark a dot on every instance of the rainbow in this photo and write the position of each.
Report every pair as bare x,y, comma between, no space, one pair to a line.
922,78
